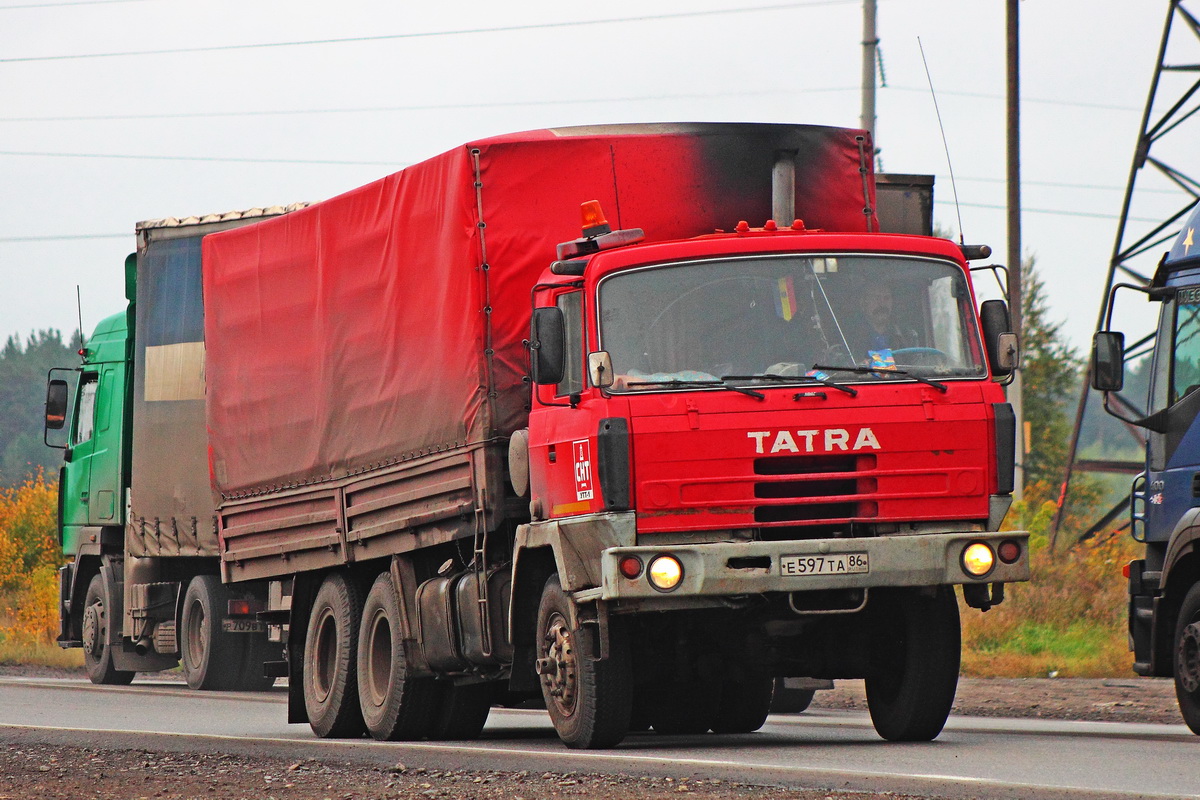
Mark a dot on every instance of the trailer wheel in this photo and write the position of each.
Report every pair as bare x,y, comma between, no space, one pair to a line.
463,711
914,662
97,651
589,699
790,701
744,705
395,706
330,660
1187,659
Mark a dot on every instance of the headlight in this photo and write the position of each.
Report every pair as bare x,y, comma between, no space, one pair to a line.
665,573
978,559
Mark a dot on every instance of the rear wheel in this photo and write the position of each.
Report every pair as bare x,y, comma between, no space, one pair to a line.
1187,659
395,706
463,711
914,664
330,660
212,659
589,699
744,705
97,649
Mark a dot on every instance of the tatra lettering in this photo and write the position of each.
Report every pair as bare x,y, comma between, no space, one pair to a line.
829,439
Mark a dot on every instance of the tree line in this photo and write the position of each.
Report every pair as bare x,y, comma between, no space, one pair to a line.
23,369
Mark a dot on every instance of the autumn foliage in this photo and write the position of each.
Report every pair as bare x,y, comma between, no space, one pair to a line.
29,561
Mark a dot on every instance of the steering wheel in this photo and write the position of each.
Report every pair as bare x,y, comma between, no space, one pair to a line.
921,357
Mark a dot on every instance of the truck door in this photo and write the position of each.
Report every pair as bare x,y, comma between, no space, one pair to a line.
77,471
1173,474
562,439
104,481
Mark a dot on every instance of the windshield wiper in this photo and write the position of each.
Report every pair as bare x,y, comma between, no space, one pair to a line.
721,383
770,376
941,387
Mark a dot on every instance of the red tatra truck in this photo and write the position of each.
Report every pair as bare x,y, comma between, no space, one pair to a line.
637,473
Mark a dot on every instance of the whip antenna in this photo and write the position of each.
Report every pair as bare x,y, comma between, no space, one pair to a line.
945,144
79,309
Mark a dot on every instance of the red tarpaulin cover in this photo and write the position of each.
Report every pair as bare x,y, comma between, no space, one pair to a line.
354,333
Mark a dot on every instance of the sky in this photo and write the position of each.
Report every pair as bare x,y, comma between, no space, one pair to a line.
116,111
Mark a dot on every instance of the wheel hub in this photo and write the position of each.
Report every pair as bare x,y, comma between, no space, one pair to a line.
557,667
1187,660
93,642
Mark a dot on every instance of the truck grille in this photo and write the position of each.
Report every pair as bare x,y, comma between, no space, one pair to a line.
824,488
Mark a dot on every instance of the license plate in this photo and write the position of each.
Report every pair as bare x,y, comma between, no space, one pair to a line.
243,626
832,564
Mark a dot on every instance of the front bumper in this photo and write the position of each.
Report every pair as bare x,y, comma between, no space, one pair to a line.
736,568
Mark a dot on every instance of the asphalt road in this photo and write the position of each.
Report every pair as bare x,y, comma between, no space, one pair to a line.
974,757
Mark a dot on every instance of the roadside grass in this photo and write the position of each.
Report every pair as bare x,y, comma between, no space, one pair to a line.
1069,621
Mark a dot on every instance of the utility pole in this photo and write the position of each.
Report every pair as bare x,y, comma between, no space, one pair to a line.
870,43
1014,231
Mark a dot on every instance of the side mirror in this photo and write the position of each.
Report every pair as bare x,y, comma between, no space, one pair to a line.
56,405
600,369
548,344
1108,361
1009,355
993,316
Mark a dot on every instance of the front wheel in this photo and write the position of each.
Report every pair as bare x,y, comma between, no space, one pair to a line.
914,664
1187,659
589,699
97,649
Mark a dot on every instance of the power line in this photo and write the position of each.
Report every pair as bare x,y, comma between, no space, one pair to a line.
429,107
1038,100
1061,185
1057,212
496,104
70,3
66,237
1054,211
435,34
389,164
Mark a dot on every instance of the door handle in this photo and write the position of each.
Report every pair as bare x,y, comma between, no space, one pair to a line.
83,497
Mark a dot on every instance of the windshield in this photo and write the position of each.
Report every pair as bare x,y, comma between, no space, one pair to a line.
788,316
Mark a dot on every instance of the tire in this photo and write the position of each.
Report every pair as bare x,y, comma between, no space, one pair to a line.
394,706
914,664
330,669
589,700
206,654
686,706
1187,659
97,650
463,711
212,659
790,701
744,705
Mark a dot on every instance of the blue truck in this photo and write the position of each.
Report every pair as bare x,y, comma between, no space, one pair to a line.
1164,585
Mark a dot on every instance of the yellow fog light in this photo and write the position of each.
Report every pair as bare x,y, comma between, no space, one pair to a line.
665,573
978,559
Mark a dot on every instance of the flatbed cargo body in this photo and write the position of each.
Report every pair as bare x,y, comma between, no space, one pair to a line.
387,323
